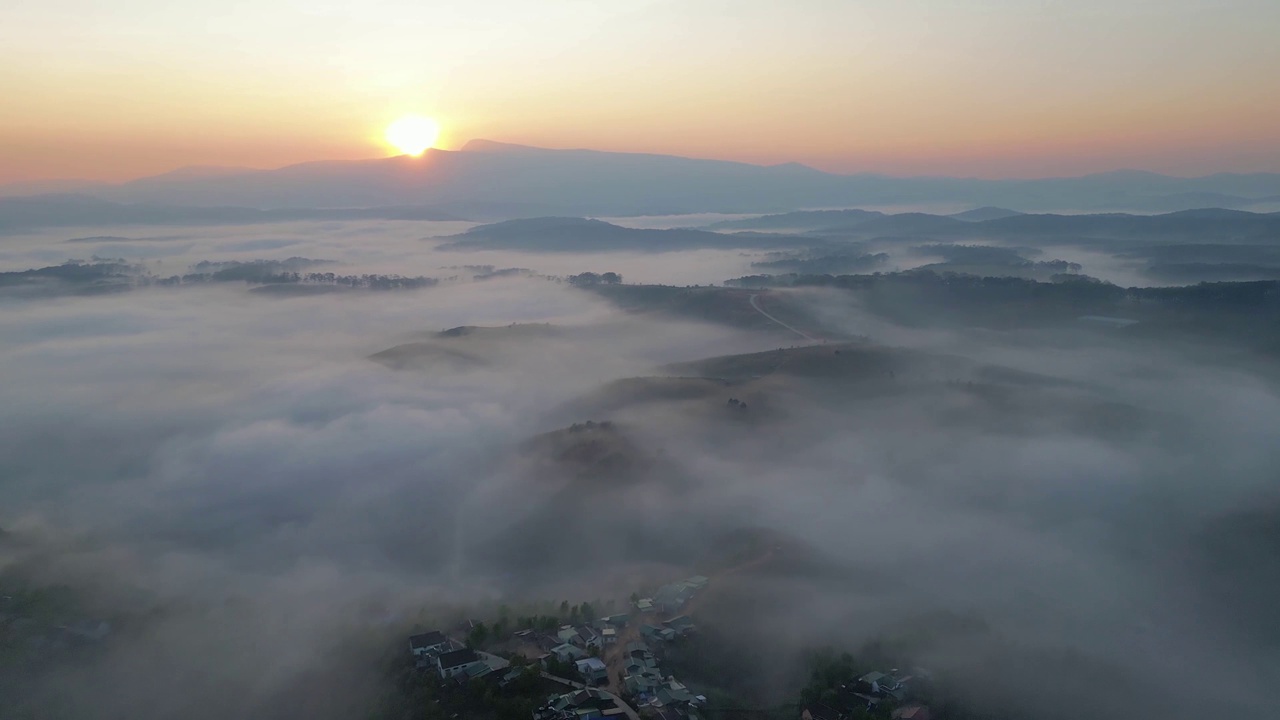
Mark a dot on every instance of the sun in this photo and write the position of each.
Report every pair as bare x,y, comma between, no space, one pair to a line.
413,134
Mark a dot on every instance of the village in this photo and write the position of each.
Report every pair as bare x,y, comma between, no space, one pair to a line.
612,666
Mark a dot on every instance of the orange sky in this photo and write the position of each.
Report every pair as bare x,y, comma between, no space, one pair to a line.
968,87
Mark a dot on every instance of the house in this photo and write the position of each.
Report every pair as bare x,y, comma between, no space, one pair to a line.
429,643
476,670
681,625
459,662
494,662
671,598
639,685
511,675
546,642
880,683
661,634
582,704
911,712
697,582
609,636
588,638
849,698
593,670
568,653
644,605
567,633
618,621
672,694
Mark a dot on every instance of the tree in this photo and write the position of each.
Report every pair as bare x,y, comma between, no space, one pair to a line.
478,636
564,608
588,612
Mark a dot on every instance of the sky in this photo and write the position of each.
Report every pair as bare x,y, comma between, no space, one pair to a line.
989,88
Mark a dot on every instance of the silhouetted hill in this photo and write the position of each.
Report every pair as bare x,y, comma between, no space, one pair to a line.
560,234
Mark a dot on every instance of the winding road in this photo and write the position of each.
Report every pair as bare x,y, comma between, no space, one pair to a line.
801,333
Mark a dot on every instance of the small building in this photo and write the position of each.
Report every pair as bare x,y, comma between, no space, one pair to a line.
511,675
593,670
582,704
879,683
914,711
568,653
459,662
428,643
494,662
681,625
609,636
671,598
588,638
660,634
644,605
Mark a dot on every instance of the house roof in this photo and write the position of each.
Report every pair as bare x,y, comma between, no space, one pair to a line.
909,712
458,658
873,677
591,663
680,624
572,651
494,662
427,639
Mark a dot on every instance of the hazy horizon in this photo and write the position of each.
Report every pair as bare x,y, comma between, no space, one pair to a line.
198,169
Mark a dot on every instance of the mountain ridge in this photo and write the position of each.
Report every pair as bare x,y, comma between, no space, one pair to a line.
494,180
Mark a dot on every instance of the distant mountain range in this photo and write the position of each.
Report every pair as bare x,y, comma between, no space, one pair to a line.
489,180
45,211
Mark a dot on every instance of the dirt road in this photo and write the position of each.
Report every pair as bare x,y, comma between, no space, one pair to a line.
755,304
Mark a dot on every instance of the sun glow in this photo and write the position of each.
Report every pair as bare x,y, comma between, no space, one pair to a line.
413,134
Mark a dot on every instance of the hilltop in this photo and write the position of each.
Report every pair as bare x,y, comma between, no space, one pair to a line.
463,347
571,234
